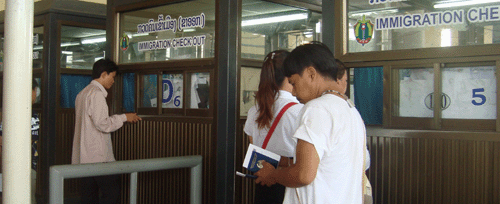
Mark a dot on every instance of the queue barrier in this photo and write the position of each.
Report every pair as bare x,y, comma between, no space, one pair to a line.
60,172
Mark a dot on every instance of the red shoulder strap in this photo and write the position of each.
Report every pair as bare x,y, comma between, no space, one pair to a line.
275,123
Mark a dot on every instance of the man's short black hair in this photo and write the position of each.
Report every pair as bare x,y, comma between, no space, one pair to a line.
103,65
316,55
34,84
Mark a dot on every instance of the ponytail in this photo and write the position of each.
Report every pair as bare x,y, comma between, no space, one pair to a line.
271,79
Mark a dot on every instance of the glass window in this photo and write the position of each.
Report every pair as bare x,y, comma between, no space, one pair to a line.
149,91
37,48
172,90
199,91
129,92
250,79
414,92
269,26
178,31
469,93
81,47
379,25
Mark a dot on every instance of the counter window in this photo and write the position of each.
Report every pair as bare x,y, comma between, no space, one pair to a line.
469,93
149,87
199,91
414,90
172,88
182,93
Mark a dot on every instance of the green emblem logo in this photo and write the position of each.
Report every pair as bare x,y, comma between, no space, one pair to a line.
363,31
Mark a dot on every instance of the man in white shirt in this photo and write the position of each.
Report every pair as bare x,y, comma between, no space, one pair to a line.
330,136
93,127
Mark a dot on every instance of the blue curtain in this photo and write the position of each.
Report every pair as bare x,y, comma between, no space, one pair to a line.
71,85
129,91
368,94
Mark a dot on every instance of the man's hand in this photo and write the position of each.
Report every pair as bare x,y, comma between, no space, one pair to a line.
265,175
132,117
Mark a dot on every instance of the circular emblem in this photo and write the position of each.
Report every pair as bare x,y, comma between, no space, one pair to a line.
124,42
445,101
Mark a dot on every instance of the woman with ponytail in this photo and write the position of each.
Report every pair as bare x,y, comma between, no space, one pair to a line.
271,123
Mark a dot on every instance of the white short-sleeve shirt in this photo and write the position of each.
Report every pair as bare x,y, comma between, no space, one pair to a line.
281,141
338,134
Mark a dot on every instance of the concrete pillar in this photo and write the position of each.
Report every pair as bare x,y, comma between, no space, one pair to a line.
17,76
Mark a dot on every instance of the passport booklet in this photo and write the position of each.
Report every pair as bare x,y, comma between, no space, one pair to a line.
254,156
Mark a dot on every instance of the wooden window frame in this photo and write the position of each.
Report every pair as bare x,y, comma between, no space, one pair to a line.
437,122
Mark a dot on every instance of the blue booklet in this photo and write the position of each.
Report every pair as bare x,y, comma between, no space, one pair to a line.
255,155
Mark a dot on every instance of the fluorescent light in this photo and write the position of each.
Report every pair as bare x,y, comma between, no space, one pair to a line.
67,52
274,19
373,11
138,35
94,40
463,3
189,30
67,44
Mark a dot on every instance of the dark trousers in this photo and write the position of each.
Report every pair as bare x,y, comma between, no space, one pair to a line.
269,195
100,189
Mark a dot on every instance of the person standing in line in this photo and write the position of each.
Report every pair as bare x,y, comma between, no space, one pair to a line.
92,138
273,95
330,138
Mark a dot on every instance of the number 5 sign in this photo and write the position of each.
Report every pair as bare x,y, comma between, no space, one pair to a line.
478,97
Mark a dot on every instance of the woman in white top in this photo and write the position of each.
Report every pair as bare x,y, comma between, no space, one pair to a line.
274,93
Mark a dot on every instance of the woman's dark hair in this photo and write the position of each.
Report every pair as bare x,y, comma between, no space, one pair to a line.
103,65
316,55
271,80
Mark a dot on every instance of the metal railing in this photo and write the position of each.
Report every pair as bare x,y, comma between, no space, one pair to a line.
60,172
